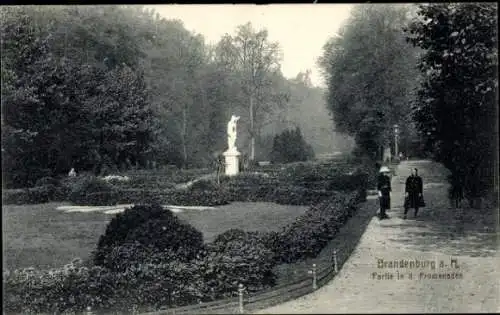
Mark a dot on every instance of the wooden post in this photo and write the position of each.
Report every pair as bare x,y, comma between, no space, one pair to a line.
240,294
335,267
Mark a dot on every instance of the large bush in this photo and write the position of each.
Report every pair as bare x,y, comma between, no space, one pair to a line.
145,229
290,146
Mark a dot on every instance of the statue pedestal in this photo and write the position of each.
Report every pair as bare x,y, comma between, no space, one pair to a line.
232,161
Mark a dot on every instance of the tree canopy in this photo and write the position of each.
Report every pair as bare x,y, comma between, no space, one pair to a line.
371,72
458,99
115,87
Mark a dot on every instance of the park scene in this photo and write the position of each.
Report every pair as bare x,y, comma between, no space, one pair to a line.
153,164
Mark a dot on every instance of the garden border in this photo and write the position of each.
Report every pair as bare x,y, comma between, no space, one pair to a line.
259,300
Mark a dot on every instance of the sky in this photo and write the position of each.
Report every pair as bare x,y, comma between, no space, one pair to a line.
300,29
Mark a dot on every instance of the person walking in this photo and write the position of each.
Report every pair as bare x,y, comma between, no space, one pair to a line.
384,191
413,192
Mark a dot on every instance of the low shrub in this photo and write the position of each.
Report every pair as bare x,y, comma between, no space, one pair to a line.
105,198
235,257
91,190
68,289
15,196
264,193
296,173
35,195
174,197
74,288
295,195
170,175
47,181
204,185
149,229
310,232
148,181
253,178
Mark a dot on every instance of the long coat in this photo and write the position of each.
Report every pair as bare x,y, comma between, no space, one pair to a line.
414,187
384,185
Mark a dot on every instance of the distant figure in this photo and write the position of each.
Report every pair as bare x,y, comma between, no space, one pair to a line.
457,192
72,173
413,192
401,156
384,191
219,164
246,162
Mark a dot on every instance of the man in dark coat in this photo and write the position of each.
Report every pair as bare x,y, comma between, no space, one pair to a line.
384,191
413,192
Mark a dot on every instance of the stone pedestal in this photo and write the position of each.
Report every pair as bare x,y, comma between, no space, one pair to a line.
232,162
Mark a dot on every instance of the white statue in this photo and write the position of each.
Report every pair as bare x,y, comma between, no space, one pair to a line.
231,133
72,172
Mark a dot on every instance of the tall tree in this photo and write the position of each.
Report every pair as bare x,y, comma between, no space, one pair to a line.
457,100
57,107
255,58
370,72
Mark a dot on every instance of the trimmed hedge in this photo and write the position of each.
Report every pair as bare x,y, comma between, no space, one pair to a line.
33,195
214,275
73,289
175,176
311,232
173,197
295,195
93,191
235,257
150,181
47,181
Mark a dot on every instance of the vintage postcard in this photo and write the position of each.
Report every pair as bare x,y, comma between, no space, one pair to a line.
250,159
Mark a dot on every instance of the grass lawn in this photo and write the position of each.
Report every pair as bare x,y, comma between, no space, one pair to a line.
43,237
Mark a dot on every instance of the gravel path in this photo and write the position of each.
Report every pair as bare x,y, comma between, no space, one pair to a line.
435,236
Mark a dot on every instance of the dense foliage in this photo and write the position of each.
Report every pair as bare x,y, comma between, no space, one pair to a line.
107,88
235,257
370,72
90,190
290,146
136,235
60,111
458,98
310,232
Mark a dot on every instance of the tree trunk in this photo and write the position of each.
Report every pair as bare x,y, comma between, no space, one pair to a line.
252,130
183,136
